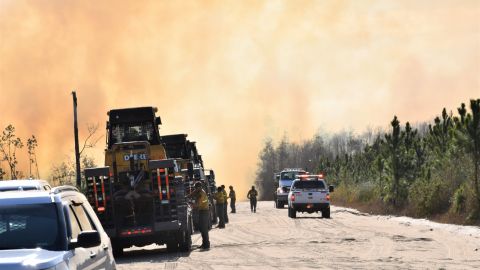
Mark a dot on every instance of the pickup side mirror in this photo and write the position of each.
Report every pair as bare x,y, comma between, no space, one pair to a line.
86,239
331,188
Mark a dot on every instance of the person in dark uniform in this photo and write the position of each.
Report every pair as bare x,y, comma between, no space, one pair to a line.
252,195
225,207
201,203
220,203
233,198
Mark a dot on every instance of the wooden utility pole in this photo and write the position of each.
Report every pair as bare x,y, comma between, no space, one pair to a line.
75,132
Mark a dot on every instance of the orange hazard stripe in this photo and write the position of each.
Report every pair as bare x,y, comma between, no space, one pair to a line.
95,192
103,192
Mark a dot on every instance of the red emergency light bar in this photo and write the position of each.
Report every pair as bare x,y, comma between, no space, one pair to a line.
305,176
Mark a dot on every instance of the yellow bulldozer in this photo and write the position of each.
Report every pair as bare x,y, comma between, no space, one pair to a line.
139,195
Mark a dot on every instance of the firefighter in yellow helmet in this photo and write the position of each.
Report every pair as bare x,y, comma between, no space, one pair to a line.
220,204
201,203
225,207
233,198
252,195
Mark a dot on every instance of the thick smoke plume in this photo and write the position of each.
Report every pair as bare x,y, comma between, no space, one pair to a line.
230,73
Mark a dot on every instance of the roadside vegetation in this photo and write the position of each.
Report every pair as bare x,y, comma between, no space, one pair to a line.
427,170
14,152
10,144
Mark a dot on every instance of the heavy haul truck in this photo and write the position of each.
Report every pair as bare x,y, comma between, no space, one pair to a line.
178,147
139,196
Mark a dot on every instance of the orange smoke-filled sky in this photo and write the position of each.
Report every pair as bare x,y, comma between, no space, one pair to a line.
230,73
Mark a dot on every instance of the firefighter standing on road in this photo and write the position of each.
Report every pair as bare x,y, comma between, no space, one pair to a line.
201,204
233,198
220,203
225,207
252,195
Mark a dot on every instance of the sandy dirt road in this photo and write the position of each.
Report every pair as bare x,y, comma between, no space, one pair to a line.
349,240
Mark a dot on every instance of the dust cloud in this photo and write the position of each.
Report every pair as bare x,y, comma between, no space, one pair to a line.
230,73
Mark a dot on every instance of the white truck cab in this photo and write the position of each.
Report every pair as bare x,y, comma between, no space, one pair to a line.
284,181
309,193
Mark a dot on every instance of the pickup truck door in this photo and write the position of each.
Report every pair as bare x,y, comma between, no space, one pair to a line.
84,258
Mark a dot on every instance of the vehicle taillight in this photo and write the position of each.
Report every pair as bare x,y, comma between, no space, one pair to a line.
328,197
292,198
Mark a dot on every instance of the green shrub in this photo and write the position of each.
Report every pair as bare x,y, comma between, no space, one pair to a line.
365,192
459,200
429,197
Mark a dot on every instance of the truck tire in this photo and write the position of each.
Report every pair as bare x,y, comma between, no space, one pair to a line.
278,204
185,244
326,213
292,213
117,250
172,246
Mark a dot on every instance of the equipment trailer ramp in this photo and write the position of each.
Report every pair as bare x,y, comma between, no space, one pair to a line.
156,213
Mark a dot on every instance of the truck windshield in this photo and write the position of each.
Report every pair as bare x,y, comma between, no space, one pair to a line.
286,178
309,185
29,226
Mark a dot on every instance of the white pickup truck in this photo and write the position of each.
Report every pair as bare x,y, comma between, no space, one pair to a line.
309,194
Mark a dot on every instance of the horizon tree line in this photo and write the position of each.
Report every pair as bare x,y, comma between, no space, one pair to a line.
427,169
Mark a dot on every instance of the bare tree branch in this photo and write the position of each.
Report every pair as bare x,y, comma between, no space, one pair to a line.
89,142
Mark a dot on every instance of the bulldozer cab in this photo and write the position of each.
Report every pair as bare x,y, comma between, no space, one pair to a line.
133,124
